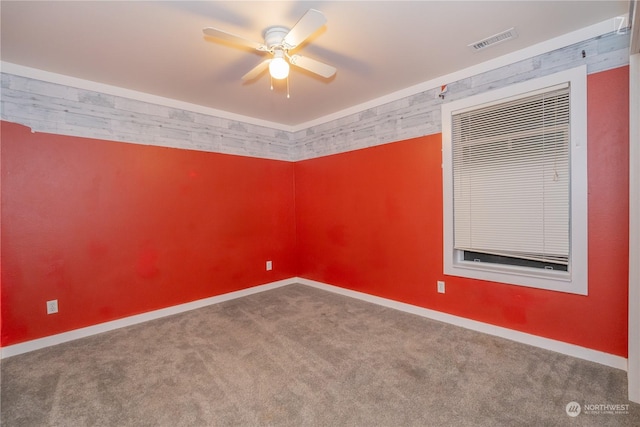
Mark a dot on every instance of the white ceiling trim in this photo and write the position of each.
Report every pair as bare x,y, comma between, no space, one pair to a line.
47,76
568,39
586,33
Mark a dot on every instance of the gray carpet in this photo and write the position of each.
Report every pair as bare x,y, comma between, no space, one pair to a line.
299,356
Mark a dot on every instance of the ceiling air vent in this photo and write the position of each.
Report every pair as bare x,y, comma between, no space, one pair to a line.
495,39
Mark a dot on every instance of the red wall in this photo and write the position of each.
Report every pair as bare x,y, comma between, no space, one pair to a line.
371,220
113,229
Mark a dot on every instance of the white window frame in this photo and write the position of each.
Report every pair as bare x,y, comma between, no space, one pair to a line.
575,279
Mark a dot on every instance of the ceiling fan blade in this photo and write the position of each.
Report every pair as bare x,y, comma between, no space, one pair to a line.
307,25
232,38
257,70
312,65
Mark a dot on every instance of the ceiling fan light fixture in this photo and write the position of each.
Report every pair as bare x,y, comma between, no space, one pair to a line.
278,41
279,67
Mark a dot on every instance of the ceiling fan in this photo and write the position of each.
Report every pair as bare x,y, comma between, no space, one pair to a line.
279,41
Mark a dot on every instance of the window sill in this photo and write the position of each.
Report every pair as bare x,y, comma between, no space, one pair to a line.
560,281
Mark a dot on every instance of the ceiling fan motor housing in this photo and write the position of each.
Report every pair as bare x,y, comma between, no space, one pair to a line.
274,36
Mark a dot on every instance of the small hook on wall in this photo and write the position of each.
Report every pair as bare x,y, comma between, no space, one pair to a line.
443,90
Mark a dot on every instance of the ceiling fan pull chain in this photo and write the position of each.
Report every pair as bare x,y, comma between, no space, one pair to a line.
288,88
271,78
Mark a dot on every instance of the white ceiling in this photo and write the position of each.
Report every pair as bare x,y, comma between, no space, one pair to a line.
378,47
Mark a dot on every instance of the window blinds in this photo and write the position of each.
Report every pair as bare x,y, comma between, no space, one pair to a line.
511,177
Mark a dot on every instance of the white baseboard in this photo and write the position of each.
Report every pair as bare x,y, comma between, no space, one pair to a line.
510,334
521,337
51,340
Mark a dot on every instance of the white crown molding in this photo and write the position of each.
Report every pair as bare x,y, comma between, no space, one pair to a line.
37,74
559,42
568,39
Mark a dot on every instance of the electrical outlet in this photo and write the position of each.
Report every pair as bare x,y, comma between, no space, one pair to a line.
440,287
52,306
269,265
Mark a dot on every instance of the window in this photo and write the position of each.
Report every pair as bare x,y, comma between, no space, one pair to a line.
515,184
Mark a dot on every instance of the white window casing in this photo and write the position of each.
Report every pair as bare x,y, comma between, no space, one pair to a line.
515,182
